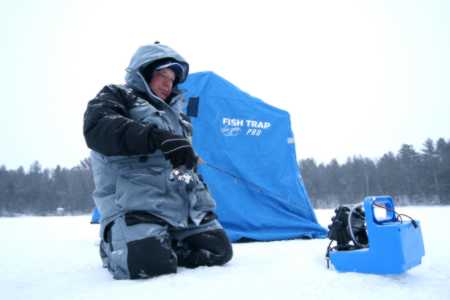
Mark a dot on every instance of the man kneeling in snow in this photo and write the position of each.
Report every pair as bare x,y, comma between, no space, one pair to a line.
156,213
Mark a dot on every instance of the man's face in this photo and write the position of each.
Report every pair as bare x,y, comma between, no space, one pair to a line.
162,83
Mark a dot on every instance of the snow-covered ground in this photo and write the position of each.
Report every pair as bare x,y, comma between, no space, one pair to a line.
57,258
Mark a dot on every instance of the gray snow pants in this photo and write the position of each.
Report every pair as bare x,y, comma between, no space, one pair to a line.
140,245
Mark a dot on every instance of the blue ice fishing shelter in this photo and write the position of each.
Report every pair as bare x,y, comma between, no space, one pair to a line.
95,217
250,164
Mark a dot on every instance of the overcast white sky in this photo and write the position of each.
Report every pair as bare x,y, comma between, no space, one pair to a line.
358,77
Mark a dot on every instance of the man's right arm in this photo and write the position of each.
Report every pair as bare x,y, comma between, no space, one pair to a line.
109,130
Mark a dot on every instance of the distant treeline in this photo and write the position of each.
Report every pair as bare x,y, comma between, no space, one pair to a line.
411,177
46,192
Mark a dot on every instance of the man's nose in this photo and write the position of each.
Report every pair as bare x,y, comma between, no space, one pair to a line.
167,84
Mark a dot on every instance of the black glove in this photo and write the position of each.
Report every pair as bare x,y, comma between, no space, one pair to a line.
176,148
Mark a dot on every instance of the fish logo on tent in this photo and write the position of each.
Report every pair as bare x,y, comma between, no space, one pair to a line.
230,131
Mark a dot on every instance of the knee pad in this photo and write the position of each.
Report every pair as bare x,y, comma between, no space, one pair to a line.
137,251
208,248
150,257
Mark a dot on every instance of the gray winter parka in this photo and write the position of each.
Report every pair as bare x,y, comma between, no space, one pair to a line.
130,172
